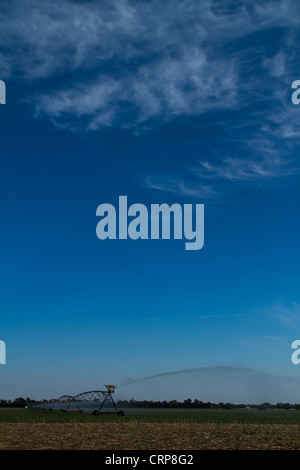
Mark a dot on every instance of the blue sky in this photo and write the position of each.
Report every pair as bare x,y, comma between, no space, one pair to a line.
165,102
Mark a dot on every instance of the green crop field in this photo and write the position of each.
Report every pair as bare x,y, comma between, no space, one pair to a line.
154,415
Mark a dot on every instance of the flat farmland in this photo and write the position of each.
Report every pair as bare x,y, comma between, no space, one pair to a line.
151,429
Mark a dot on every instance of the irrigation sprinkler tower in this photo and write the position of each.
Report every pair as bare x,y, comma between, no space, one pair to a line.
67,403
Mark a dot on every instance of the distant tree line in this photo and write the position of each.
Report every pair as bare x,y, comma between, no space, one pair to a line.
17,403
188,403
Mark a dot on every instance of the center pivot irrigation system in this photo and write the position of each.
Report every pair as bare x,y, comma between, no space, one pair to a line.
82,401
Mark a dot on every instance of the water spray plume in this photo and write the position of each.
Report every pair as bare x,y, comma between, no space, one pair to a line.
184,371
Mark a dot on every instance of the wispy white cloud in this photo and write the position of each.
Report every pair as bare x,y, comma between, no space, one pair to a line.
161,90
248,170
177,185
288,315
135,65
133,62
